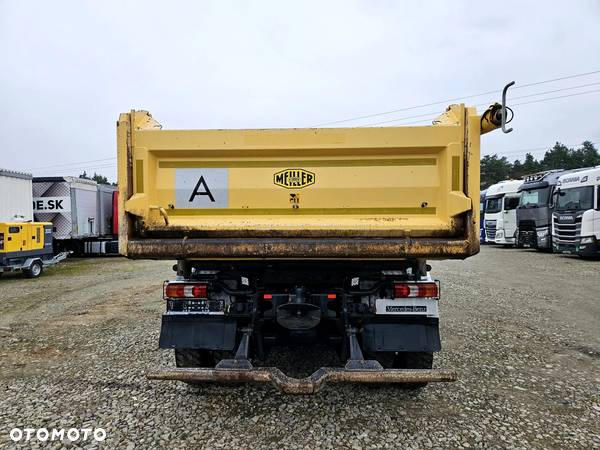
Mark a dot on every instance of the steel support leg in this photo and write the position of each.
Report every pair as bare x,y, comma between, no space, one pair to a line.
240,360
357,360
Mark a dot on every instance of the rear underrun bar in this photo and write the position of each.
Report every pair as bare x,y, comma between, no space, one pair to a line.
308,385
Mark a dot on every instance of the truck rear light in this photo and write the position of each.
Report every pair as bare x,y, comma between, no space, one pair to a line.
185,290
416,290
332,296
402,291
428,290
268,296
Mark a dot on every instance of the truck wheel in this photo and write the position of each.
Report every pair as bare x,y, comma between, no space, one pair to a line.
193,358
413,360
35,270
201,358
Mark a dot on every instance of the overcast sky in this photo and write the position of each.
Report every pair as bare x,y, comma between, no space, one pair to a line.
68,68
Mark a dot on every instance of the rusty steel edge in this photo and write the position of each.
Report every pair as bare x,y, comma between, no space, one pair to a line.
308,385
300,248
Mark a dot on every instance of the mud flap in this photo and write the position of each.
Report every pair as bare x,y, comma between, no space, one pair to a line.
197,331
401,337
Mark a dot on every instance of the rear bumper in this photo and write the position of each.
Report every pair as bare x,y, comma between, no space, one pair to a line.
309,385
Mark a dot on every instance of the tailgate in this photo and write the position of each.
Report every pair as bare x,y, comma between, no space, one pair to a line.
392,182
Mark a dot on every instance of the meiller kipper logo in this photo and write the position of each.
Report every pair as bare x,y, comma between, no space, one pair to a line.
294,178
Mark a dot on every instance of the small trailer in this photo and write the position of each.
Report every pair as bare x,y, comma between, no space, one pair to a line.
27,247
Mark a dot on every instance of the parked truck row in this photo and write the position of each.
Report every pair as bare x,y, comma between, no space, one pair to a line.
556,210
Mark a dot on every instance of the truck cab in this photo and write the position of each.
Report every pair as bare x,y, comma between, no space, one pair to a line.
500,220
534,213
576,216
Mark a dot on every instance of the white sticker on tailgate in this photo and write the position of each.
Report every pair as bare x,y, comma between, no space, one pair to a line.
407,306
201,188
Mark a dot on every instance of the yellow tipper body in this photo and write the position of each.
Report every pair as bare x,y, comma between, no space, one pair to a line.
332,193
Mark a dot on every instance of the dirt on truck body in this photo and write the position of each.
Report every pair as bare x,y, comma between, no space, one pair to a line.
302,236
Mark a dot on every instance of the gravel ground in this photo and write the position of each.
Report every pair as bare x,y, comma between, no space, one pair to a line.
520,327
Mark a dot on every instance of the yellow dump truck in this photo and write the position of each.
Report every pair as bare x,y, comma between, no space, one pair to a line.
27,247
299,236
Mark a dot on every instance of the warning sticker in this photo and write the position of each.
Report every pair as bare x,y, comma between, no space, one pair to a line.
201,188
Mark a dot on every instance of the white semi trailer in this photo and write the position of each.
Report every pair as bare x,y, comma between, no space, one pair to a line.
500,219
82,213
576,217
15,196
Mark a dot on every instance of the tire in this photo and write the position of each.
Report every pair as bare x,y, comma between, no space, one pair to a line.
35,270
413,360
189,357
193,358
202,358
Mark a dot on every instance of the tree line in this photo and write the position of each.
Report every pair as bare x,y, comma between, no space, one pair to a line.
97,178
495,168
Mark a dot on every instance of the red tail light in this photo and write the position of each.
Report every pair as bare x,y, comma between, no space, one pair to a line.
416,290
185,290
199,291
401,291
331,296
268,296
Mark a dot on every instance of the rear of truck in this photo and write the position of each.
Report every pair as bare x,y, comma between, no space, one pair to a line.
301,236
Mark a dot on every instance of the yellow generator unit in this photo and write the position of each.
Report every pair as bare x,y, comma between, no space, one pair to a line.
27,247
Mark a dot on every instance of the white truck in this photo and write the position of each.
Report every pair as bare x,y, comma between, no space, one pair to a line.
576,217
500,217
